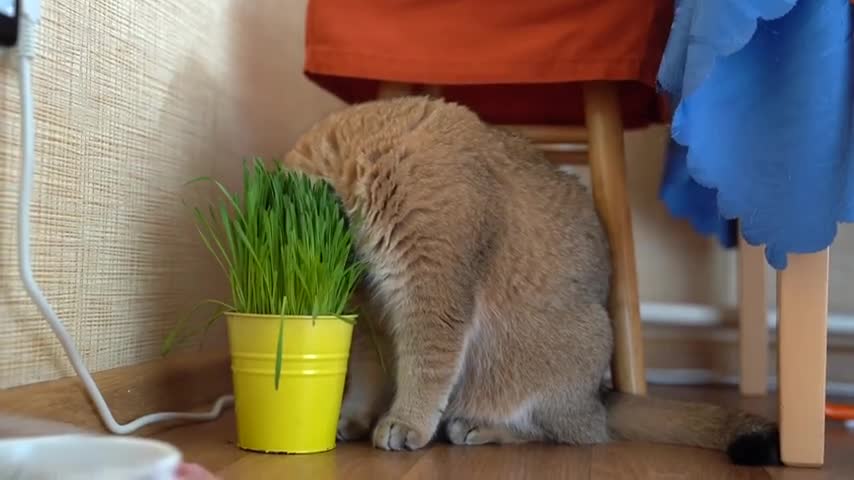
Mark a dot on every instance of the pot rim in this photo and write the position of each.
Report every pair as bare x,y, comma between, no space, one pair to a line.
291,317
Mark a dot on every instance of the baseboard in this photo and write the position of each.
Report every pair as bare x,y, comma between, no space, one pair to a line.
699,377
182,382
698,345
687,314
685,345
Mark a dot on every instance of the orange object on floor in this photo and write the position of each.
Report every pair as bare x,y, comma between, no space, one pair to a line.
838,411
510,62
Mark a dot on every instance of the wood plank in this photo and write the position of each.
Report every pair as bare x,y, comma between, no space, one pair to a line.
212,445
354,461
610,194
802,295
551,133
566,158
393,90
177,383
512,462
752,319
643,460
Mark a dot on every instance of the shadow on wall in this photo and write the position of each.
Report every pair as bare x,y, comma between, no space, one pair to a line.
675,264
256,105
187,273
113,247
275,101
184,89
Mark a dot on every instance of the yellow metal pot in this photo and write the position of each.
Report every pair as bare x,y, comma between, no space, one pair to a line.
302,415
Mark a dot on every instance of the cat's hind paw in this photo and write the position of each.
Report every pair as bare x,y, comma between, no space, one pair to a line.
353,428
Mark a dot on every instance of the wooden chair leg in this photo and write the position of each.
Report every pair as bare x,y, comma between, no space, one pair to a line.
802,354
752,320
397,89
434,91
394,90
610,193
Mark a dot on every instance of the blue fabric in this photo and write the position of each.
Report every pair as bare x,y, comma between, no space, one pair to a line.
762,131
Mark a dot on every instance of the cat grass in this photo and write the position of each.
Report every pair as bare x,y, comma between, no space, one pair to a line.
283,243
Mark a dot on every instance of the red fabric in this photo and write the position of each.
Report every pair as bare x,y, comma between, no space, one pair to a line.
512,62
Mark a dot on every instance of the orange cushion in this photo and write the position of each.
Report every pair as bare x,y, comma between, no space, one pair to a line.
513,62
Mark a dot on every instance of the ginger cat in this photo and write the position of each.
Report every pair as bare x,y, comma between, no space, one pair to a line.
488,276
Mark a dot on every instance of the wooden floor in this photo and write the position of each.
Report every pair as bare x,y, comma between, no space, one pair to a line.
212,445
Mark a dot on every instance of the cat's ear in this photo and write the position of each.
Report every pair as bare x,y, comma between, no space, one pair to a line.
295,160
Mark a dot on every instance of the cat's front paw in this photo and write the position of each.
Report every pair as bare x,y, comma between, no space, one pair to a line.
352,427
394,433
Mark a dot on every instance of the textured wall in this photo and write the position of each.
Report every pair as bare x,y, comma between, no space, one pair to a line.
134,97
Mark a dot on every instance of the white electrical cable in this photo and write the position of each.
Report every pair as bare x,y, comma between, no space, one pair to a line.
29,17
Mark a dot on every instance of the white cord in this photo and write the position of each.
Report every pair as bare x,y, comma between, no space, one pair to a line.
26,51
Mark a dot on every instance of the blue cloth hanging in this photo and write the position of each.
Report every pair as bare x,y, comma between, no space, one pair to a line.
762,130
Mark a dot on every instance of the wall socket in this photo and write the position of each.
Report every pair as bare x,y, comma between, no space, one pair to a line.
9,22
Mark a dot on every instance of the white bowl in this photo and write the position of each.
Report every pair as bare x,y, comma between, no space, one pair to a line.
90,457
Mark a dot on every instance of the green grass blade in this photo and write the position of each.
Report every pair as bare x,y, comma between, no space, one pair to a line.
285,244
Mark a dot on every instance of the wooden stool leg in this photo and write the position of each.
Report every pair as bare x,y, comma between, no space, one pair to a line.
752,320
802,353
610,193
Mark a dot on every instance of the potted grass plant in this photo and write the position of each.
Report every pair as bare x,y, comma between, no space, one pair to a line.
286,248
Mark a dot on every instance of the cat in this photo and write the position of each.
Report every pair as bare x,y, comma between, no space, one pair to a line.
483,310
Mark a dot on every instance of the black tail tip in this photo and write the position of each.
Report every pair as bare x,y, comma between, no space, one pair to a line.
756,448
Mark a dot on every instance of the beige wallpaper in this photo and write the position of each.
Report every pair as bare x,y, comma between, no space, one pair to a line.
136,97
133,99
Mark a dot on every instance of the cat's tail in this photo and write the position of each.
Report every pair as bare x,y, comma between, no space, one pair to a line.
747,439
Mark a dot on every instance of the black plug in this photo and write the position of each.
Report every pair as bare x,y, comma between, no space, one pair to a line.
9,22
